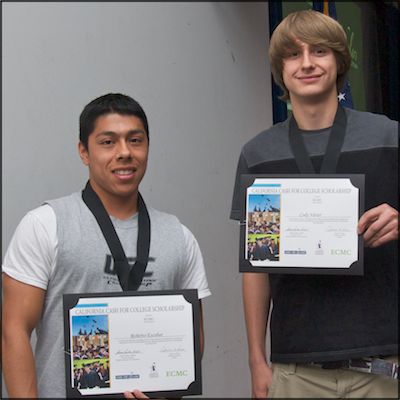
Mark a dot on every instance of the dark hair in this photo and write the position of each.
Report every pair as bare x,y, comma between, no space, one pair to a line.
107,104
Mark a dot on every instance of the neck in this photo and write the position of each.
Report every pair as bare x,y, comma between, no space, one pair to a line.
122,209
117,206
313,116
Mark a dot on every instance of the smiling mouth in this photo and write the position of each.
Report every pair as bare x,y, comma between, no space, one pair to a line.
310,77
124,173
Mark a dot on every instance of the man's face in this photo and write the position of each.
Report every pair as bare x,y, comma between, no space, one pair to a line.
310,72
116,155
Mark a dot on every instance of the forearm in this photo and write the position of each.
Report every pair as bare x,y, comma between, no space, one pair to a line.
201,330
18,365
22,308
256,301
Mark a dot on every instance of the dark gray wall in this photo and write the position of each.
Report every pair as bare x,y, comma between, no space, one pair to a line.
199,70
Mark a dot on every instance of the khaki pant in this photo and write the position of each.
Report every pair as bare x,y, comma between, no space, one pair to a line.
306,381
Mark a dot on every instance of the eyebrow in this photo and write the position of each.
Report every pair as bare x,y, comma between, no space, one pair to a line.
131,132
291,47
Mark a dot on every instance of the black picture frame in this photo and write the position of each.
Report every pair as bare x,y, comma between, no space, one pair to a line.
190,295
357,268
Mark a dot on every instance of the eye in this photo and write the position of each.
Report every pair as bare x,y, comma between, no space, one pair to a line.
106,142
293,53
136,139
320,51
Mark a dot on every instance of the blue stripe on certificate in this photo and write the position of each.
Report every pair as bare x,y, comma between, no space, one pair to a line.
266,185
91,305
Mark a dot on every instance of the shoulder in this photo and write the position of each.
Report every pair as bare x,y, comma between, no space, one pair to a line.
368,118
190,239
164,219
30,257
42,216
38,228
270,135
69,200
372,130
271,143
165,224
161,216
70,211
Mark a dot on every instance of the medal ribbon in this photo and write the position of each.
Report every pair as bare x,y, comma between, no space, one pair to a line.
130,276
332,153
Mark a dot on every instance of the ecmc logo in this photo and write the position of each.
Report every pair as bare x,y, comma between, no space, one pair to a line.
341,252
175,373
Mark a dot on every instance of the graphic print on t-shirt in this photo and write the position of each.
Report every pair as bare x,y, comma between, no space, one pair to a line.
111,277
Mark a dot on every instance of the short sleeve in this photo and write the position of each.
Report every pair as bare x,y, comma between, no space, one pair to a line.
31,255
236,200
194,274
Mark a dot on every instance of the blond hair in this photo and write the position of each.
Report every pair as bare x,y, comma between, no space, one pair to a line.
313,28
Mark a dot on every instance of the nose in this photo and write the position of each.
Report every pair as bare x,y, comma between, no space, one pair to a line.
123,150
307,60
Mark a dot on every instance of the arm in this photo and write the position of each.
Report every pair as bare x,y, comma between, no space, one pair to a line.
201,330
379,225
22,308
194,275
256,300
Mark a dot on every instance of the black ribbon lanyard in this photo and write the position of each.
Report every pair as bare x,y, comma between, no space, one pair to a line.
332,153
130,277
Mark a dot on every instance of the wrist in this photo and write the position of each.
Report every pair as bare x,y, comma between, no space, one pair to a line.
257,360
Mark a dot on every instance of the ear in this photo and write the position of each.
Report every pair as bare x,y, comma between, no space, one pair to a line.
83,153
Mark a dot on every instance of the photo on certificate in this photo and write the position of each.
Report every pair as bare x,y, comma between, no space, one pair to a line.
301,224
263,227
116,342
91,362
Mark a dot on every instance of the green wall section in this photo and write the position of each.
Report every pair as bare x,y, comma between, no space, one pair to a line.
349,15
292,6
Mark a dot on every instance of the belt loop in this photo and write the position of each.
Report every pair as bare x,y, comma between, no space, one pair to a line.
291,368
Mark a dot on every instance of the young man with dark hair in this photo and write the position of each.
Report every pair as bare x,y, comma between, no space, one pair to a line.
331,336
59,247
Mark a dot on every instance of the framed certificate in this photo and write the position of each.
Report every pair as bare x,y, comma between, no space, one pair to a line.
132,340
301,224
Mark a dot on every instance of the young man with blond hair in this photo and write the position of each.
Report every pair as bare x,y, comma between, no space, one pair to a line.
331,335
